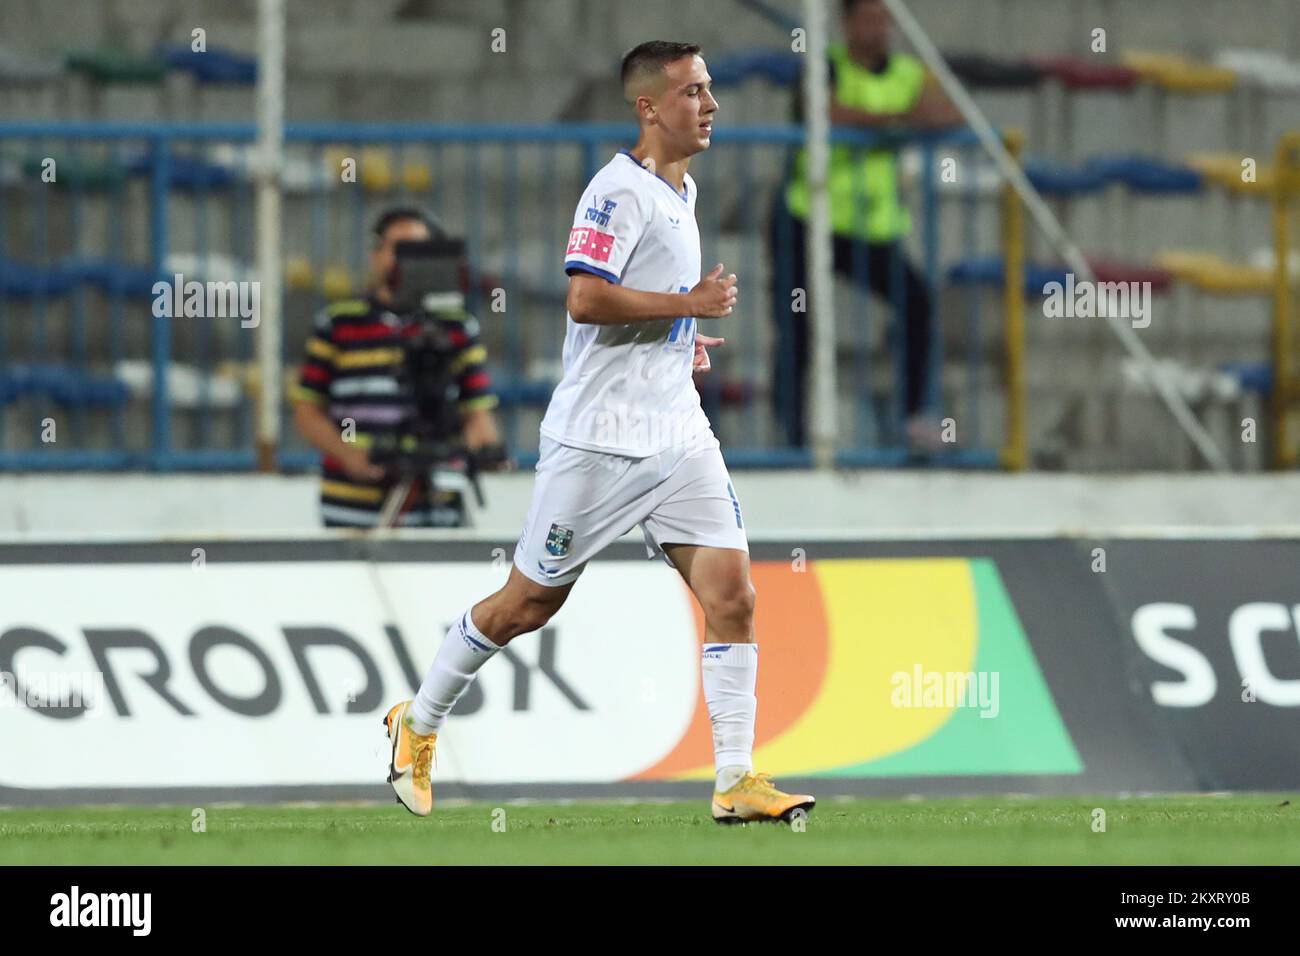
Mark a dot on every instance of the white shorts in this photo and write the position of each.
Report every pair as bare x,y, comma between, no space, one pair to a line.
583,500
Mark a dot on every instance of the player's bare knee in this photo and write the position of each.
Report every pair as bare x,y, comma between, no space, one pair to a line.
731,609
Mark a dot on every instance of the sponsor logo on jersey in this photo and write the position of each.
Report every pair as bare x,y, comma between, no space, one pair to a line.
601,216
558,541
589,242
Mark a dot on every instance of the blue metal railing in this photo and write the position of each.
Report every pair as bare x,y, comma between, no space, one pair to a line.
177,191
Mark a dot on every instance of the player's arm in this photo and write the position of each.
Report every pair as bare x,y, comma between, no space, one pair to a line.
593,300
311,395
479,428
933,108
865,119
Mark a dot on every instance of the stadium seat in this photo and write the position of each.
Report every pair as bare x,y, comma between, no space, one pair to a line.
417,177
1254,377
1215,275
1061,180
186,171
65,385
1110,270
984,180
376,171
1263,68
188,387
116,67
1265,257
113,277
1177,74
777,66
1225,170
336,282
25,280
91,175
214,66
299,173
1077,74
989,271
298,275
1144,174
214,266
981,71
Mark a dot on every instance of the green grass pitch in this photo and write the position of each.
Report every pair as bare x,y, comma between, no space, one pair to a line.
1242,829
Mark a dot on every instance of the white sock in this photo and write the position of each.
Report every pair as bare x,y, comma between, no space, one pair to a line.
463,651
730,672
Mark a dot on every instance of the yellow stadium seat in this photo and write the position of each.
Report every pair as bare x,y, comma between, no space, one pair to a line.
1231,278
298,276
376,171
1225,169
374,167
1178,74
1184,264
336,283
1215,275
417,177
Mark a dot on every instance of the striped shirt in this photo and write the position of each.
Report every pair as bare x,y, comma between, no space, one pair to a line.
353,360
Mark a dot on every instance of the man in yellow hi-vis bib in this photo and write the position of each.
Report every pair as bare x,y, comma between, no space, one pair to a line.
872,87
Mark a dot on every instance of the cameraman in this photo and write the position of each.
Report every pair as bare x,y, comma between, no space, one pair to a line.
353,370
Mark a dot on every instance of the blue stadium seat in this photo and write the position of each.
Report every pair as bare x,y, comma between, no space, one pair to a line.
186,171
776,65
1251,376
215,66
113,277
989,271
25,280
1147,175
66,385
1057,179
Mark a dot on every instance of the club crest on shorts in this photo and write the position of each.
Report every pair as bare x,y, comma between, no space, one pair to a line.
558,541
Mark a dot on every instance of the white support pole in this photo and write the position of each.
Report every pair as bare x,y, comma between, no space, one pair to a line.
820,297
1051,228
270,153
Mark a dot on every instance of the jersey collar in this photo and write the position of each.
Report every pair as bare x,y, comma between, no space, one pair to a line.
683,195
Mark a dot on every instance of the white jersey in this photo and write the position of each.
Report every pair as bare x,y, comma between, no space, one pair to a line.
627,389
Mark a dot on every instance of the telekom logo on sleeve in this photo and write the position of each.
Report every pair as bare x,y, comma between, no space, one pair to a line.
589,242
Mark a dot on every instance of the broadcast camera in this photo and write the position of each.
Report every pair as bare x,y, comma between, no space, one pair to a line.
426,282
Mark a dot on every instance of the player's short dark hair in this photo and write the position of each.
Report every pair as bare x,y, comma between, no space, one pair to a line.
653,55
397,214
